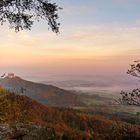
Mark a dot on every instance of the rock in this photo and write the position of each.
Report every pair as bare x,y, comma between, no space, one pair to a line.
21,131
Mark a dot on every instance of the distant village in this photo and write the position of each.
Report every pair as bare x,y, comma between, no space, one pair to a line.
9,75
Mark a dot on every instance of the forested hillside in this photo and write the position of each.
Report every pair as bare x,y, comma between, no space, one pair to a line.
67,124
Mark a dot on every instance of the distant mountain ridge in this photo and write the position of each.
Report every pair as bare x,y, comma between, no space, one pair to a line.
46,94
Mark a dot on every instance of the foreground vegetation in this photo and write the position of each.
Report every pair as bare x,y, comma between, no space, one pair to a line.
67,124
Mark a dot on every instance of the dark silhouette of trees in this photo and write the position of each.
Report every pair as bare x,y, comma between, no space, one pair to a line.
130,98
133,97
21,14
134,69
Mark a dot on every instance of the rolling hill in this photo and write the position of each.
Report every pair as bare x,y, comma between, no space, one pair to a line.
46,94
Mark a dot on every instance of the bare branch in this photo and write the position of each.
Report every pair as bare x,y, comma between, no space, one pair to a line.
134,69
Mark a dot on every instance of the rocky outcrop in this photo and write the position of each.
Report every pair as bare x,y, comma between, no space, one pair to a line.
21,131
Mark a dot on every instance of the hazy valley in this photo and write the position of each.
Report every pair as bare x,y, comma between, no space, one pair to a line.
97,95
69,70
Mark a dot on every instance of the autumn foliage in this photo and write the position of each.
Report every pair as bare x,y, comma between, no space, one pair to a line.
68,124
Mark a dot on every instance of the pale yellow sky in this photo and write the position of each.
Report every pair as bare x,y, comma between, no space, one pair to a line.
84,43
89,50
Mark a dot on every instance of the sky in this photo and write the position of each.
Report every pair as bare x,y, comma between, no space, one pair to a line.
97,37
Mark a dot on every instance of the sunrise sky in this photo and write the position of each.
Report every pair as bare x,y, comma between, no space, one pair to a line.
97,37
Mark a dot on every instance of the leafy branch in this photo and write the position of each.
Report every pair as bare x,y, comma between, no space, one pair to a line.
21,14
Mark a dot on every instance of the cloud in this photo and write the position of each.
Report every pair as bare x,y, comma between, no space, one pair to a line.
118,37
75,45
78,10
